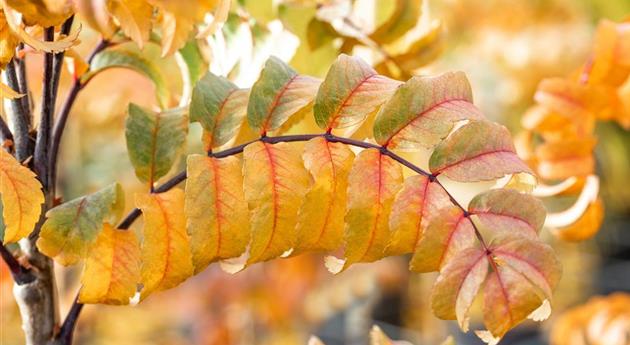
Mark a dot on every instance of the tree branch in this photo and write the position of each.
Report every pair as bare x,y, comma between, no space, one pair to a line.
23,86
19,117
40,162
58,59
62,119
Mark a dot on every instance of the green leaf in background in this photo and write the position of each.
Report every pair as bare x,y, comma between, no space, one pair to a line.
297,17
125,58
220,107
193,61
279,93
154,140
351,91
478,151
72,227
423,111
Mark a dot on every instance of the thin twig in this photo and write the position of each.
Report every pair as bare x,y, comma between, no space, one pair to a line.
57,65
23,86
58,58
42,144
19,117
62,118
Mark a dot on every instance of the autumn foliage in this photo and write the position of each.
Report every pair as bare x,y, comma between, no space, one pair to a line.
297,164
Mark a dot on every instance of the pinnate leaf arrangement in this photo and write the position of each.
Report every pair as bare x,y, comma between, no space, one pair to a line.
277,195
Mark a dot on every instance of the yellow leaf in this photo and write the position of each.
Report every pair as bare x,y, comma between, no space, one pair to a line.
8,42
8,92
320,224
178,20
275,182
216,209
112,270
372,186
221,15
21,198
44,13
166,257
95,15
14,19
135,18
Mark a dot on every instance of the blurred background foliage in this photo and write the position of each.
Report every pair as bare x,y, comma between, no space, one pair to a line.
506,47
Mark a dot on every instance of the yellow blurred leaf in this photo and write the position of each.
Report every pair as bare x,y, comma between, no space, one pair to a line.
14,19
135,18
44,13
8,42
178,20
